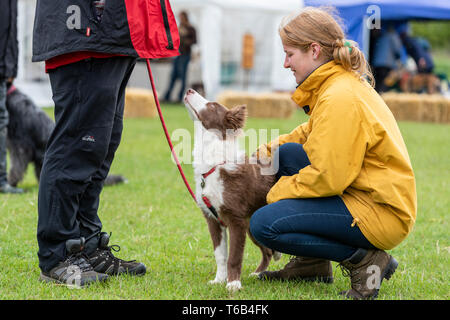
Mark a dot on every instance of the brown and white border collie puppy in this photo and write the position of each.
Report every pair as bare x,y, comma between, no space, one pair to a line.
228,187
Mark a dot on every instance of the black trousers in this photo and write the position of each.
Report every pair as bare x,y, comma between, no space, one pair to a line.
89,100
380,74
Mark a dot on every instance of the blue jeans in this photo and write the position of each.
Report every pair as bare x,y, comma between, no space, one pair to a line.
179,71
312,227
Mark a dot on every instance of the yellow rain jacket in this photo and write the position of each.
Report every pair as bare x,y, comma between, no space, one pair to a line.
356,151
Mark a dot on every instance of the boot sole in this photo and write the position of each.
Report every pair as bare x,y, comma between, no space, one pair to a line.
47,279
44,278
315,279
323,279
137,271
390,269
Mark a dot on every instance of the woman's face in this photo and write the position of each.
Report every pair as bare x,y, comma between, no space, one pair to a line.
301,63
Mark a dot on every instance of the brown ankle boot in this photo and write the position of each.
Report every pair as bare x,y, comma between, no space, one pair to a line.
302,269
367,269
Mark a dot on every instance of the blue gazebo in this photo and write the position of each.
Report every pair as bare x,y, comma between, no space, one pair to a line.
358,14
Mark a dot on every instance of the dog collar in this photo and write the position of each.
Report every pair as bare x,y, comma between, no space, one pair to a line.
205,175
11,89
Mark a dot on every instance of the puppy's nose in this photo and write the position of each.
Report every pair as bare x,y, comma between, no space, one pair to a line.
190,91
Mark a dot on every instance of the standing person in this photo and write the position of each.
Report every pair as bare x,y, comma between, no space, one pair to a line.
8,71
90,49
386,53
346,189
419,50
188,37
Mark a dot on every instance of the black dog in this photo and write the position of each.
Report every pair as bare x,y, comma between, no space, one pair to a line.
29,129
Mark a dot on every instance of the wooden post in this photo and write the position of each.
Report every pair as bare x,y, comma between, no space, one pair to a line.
248,51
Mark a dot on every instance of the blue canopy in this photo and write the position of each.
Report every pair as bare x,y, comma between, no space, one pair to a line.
355,12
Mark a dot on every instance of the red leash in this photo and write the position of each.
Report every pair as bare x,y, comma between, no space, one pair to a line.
155,95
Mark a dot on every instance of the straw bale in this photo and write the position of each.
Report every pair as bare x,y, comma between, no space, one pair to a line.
260,105
139,103
418,107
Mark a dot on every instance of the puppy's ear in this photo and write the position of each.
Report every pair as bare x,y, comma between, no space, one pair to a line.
235,117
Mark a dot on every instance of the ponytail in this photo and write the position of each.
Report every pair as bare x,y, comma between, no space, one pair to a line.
347,54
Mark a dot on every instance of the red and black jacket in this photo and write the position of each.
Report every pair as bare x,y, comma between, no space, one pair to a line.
138,28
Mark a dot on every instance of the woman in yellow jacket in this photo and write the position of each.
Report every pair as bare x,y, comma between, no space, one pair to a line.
346,189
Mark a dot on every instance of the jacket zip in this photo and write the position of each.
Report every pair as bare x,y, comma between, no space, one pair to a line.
166,25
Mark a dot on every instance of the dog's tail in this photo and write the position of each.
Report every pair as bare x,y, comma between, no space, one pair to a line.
276,255
113,179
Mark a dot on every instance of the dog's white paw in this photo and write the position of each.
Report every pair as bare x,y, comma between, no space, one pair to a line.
254,274
217,281
234,286
276,255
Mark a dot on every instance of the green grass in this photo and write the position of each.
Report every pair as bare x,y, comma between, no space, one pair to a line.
436,32
154,220
442,63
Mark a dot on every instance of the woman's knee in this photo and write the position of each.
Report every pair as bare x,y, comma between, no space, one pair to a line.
260,226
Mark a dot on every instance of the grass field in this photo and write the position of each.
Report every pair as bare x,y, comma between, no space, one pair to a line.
154,220
442,63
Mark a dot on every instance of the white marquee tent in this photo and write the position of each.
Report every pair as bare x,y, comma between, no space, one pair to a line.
31,77
220,28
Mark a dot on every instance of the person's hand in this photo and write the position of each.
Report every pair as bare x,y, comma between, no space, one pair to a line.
422,63
10,80
261,153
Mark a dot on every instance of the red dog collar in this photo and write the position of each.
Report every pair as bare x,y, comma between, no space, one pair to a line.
205,175
11,89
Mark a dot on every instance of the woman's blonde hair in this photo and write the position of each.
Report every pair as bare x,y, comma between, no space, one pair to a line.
320,25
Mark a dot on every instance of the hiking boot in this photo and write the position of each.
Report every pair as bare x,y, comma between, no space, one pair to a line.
103,260
302,269
75,270
367,269
7,188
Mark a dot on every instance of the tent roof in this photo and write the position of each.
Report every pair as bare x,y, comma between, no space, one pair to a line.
391,9
353,12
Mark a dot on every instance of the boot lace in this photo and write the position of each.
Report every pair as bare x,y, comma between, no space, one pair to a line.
116,248
352,273
80,260
292,261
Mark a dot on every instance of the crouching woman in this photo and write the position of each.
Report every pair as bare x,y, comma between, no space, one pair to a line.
346,189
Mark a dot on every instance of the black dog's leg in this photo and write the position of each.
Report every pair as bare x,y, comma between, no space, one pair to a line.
38,168
19,162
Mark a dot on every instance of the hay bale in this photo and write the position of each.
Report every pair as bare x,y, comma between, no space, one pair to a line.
139,103
444,105
260,105
418,107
